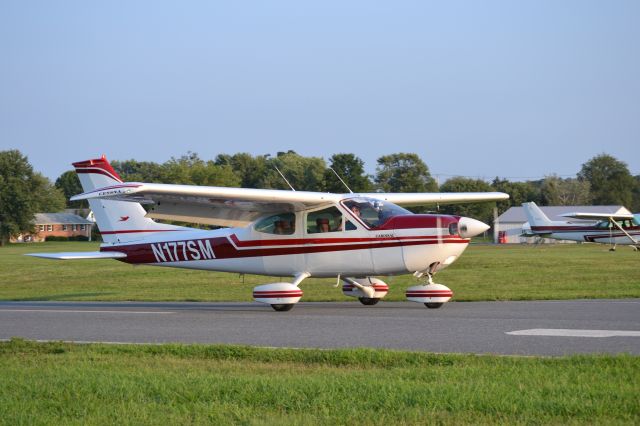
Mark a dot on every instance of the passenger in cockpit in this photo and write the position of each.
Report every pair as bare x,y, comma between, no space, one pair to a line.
322,224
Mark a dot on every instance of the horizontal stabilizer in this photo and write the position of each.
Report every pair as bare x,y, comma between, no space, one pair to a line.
70,255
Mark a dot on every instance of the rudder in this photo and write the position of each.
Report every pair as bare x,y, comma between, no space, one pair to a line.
118,221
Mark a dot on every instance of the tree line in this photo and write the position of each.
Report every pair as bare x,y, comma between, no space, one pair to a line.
602,180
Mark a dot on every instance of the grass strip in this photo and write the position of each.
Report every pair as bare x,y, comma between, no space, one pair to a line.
484,272
63,383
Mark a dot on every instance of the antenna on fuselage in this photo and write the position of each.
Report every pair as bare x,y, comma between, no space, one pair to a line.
343,182
285,179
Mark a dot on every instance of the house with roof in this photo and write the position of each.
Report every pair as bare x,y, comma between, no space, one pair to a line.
56,225
510,224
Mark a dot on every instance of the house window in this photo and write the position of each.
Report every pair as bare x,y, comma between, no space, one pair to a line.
49,228
41,227
73,227
82,227
64,227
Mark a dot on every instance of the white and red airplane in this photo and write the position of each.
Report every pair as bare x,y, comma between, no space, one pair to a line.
604,228
279,233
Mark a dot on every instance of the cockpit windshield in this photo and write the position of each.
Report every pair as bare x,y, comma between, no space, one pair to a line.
373,213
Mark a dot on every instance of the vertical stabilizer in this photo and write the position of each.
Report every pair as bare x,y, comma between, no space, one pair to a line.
535,215
118,221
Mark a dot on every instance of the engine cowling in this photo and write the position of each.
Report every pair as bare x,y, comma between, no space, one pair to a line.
277,294
380,288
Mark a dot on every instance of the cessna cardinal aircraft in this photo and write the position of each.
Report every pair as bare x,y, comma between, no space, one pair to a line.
279,233
605,228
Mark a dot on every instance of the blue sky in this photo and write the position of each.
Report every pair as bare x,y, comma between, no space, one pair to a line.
514,89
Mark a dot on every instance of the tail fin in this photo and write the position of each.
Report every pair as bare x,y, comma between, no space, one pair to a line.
535,215
118,221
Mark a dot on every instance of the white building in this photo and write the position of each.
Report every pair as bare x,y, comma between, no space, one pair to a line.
509,226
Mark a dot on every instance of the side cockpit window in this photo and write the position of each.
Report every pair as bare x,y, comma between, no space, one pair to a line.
326,220
453,228
279,224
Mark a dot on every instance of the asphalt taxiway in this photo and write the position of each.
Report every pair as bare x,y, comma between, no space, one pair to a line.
512,328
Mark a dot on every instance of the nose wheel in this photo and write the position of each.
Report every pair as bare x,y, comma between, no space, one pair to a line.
431,294
369,301
283,307
433,305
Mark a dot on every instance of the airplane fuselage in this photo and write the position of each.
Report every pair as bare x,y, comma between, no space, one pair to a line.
406,245
591,233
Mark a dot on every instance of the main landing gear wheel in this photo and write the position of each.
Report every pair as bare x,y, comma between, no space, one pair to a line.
284,307
433,305
368,301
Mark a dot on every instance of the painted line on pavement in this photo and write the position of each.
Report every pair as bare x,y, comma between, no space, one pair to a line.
57,311
561,332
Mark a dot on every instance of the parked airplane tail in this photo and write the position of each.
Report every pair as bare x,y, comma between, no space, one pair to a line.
535,215
118,221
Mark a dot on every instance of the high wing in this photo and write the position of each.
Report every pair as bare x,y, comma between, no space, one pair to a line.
409,199
239,206
211,205
598,216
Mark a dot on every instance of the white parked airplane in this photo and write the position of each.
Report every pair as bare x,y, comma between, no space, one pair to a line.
279,233
604,228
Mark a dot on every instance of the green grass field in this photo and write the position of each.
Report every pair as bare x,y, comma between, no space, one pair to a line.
59,383
62,383
484,272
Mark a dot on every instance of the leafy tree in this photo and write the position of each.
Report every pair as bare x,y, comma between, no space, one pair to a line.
46,197
139,171
635,205
250,170
69,184
351,169
22,194
404,172
565,192
190,169
519,192
480,211
304,173
611,182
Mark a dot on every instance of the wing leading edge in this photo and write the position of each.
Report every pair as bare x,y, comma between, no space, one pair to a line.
224,206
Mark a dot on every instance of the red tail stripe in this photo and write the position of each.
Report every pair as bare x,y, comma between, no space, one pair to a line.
97,165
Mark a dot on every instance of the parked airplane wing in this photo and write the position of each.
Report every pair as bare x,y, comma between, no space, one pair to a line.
238,206
598,216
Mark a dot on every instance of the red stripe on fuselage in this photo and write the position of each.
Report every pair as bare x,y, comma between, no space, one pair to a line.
223,248
317,241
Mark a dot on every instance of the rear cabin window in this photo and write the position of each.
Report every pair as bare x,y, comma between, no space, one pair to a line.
326,220
279,224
